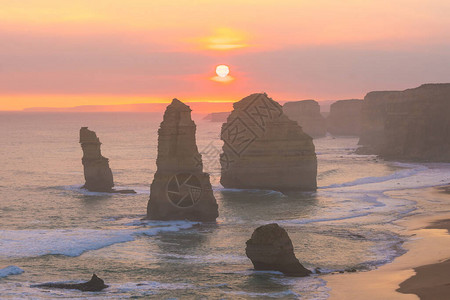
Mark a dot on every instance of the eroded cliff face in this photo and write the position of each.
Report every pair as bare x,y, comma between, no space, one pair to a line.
373,114
97,172
180,189
345,117
264,149
409,125
307,114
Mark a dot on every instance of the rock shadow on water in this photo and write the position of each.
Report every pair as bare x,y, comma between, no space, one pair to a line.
186,241
246,204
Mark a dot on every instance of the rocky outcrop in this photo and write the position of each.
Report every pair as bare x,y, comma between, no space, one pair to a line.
217,117
408,125
264,149
345,118
307,114
97,173
180,189
96,284
271,249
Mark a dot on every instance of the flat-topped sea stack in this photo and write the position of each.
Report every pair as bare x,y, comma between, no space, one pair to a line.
180,189
271,249
97,172
307,114
345,117
408,125
264,149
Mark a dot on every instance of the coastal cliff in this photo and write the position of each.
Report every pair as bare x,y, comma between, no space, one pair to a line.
410,125
307,114
345,117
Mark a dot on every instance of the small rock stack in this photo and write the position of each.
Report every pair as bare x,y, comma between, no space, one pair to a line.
97,173
271,249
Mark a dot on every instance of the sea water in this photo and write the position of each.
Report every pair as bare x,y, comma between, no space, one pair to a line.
52,230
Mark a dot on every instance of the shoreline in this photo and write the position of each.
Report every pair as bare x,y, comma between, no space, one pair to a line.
427,251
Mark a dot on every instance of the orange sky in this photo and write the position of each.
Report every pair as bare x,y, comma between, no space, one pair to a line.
57,53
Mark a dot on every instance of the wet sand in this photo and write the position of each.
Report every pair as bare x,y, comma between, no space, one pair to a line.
424,271
430,282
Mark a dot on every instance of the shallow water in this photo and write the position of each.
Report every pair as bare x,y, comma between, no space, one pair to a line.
55,231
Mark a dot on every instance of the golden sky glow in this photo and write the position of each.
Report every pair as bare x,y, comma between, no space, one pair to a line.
66,53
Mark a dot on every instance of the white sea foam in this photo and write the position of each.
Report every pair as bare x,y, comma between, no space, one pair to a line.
10,270
74,242
269,295
250,272
306,221
211,258
396,175
79,189
152,285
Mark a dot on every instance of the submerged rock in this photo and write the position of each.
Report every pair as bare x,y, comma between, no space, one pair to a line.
96,284
180,189
97,172
409,125
264,149
345,117
271,249
307,114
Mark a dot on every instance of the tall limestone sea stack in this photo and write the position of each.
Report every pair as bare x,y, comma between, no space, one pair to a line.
410,125
180,189
264,149
345,117
97,173
307,114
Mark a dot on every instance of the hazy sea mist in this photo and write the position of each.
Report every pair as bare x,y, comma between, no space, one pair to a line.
52,230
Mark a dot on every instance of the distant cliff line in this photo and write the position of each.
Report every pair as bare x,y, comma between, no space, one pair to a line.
198,107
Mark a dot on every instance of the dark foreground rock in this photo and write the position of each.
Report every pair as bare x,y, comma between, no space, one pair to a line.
264,149
307,114
96,284
97,173
271,249
180,189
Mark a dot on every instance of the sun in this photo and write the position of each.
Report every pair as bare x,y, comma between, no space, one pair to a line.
222,71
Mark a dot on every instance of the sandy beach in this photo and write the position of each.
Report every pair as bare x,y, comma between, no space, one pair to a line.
424,271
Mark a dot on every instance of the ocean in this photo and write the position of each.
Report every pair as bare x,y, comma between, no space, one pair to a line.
51,230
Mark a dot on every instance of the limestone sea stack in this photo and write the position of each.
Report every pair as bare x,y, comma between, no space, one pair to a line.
271,249
264,149
408,125
180,189
97,173
307,114
345,117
